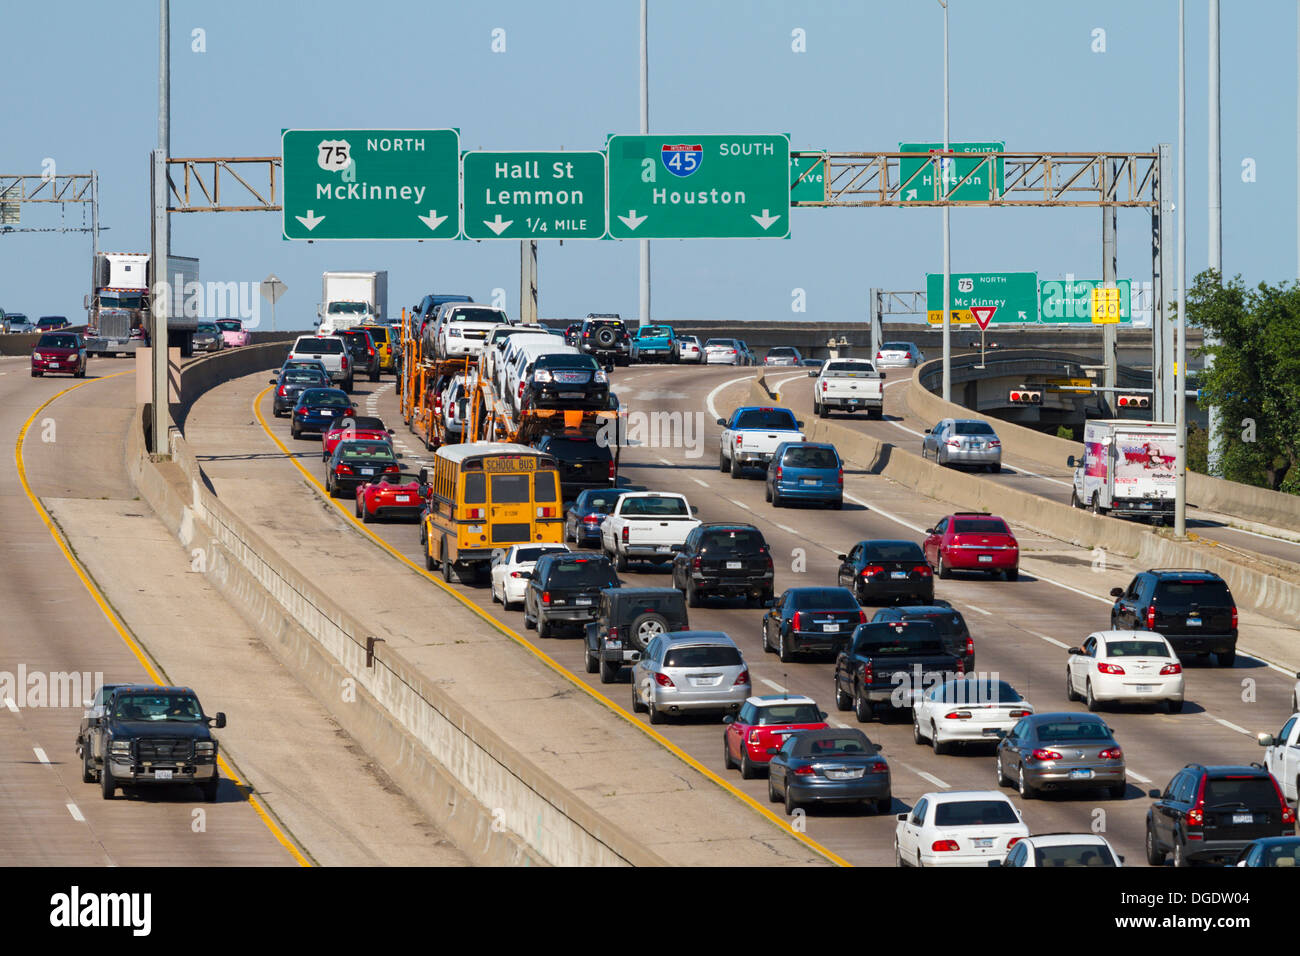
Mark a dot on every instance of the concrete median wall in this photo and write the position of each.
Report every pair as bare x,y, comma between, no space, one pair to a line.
1261,505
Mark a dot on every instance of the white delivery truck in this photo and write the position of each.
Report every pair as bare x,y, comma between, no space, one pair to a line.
349,299
1127,468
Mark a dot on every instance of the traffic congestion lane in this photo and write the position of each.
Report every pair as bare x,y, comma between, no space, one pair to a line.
902,429
1046,671
55,634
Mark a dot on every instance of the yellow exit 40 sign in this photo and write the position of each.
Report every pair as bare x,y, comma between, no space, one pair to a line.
959,317
1105,306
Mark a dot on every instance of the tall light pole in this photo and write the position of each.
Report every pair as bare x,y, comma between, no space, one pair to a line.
1180,366
947,236
1215,449
644,310
160,298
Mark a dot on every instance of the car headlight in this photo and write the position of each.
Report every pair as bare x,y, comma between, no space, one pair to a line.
120,747
204,747
601,378
37,356
541,375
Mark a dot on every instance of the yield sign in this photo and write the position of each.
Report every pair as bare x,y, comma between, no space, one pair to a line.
983,314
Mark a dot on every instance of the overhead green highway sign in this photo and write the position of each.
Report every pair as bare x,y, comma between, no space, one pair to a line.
534,195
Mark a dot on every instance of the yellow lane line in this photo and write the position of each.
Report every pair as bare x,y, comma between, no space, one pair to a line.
98,597
540,654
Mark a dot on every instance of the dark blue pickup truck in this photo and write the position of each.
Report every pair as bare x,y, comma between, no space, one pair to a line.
886,665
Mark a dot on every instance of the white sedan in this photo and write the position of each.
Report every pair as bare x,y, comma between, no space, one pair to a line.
508,569
688,350
971,709
958,828
1063,850
1125,667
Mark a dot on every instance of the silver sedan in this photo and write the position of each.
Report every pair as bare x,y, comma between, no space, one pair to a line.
963,441
899,355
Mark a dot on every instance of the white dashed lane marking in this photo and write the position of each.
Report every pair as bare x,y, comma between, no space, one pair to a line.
76,814
40,755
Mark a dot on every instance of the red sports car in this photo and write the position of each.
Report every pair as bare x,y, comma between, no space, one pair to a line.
973,541
763,723
356,427
392,496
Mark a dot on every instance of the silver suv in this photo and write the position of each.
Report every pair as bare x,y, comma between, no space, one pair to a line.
690,671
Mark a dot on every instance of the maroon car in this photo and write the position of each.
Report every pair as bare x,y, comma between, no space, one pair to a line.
59,352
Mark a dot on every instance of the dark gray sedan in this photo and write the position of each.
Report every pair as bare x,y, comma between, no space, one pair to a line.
1063,751
829,766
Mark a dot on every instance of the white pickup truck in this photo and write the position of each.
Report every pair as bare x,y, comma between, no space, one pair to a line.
1282,756
751,436
647,526
848,385
330,351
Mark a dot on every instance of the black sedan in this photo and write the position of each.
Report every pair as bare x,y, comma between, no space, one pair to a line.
584,517
812,619
289,385
319,408
359,461
882,572
829,766
952,626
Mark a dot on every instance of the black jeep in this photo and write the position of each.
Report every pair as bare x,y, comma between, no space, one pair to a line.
627,620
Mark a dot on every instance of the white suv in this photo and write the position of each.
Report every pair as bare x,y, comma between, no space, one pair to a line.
461,328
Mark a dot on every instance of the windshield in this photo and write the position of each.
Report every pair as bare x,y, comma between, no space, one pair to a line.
824,599
119,300
788,714
349,308
367,451
849,369
313,345
894,551
733,540
300,376
972,428
779,418
1136,649
495,316
656,507
159,707
974,813
802,456
977,525
57,342
703,655
566,360
602,502
208,327
330,397
588,573
230,325
1052,732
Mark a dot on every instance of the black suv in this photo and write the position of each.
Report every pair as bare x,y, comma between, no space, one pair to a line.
138,734
724,559
1193,610
565,381
584,462
1212,813
627,620
952,626
361,349
605,337
564,588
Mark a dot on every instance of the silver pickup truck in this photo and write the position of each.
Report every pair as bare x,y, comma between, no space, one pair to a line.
330,351
848,385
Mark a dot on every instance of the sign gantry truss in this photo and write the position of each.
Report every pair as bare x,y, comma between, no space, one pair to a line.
251,184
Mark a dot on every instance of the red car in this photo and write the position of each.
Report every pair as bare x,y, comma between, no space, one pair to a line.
973,541
391,496
59,352
764,723
355,427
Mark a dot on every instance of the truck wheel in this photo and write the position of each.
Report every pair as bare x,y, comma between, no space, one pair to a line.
1226,658
88,774
620,561
543,628
692,599
349,385
1074,498
444,560
875,414
210,787
107,785
593,664
862,708
842,700
722,459
735,467
1095,507
609,672
429,563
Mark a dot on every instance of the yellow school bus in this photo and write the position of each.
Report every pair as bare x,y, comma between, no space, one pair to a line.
485,496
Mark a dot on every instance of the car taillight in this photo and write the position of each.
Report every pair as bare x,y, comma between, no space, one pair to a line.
546,511
1174,668
345,363
343,469
878,768
923,570
516,574
795,622
839,476
880,355
970,646
1111,753
944,846
696,562
824,386
738,437
953,442
1109,668
371,351
282,391
1234,618
872,569
392,469
546,597
663,680
591,519
1041,754
957,715
1012,842
862,616
778,472
1151,618
474,514
961,666
437,404
625,534
1020,713
741,679
1288,815
1196,815
804,771
302,412
995,443
613,472
867,673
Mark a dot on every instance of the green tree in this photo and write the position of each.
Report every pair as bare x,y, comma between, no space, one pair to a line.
1255,380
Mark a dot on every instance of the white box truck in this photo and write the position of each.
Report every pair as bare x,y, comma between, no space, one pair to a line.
349,299
1127,468
118,308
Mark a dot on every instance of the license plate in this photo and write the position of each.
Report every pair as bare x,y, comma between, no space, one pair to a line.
571,395
402,499
811,482
664,548
1080,774
983,843
986,558
898,575
162,774
854,401
1145,688
1145,505
990,731
830,628
1193,622
583,602
703,681
367,471
1243,818
843,774
327,412
734,565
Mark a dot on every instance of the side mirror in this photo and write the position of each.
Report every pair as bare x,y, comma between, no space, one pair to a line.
695,509
841,557
722,421
1265,740
823,714
927,431
798,424
1070,461
902,818
929,531
221,720
812,373
1075,650
728,719
876,748
1154,794
1116,592
272,381
391,432
399,455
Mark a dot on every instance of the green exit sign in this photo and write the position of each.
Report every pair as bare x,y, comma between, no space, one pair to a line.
808,176
918,182
534,195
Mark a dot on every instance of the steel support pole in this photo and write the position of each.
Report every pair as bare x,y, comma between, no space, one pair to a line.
1108,270
1180,374
1162,285
643,310
947,235
94,235
873,305
528,282
1215,219
160,295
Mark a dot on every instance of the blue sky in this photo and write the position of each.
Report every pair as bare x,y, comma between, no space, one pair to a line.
1022,71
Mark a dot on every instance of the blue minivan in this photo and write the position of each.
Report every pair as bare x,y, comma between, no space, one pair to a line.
805,471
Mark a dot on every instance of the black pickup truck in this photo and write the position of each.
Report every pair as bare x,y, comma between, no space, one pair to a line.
139,734
887,664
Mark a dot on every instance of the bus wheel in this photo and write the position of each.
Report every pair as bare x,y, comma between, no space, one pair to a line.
446,562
